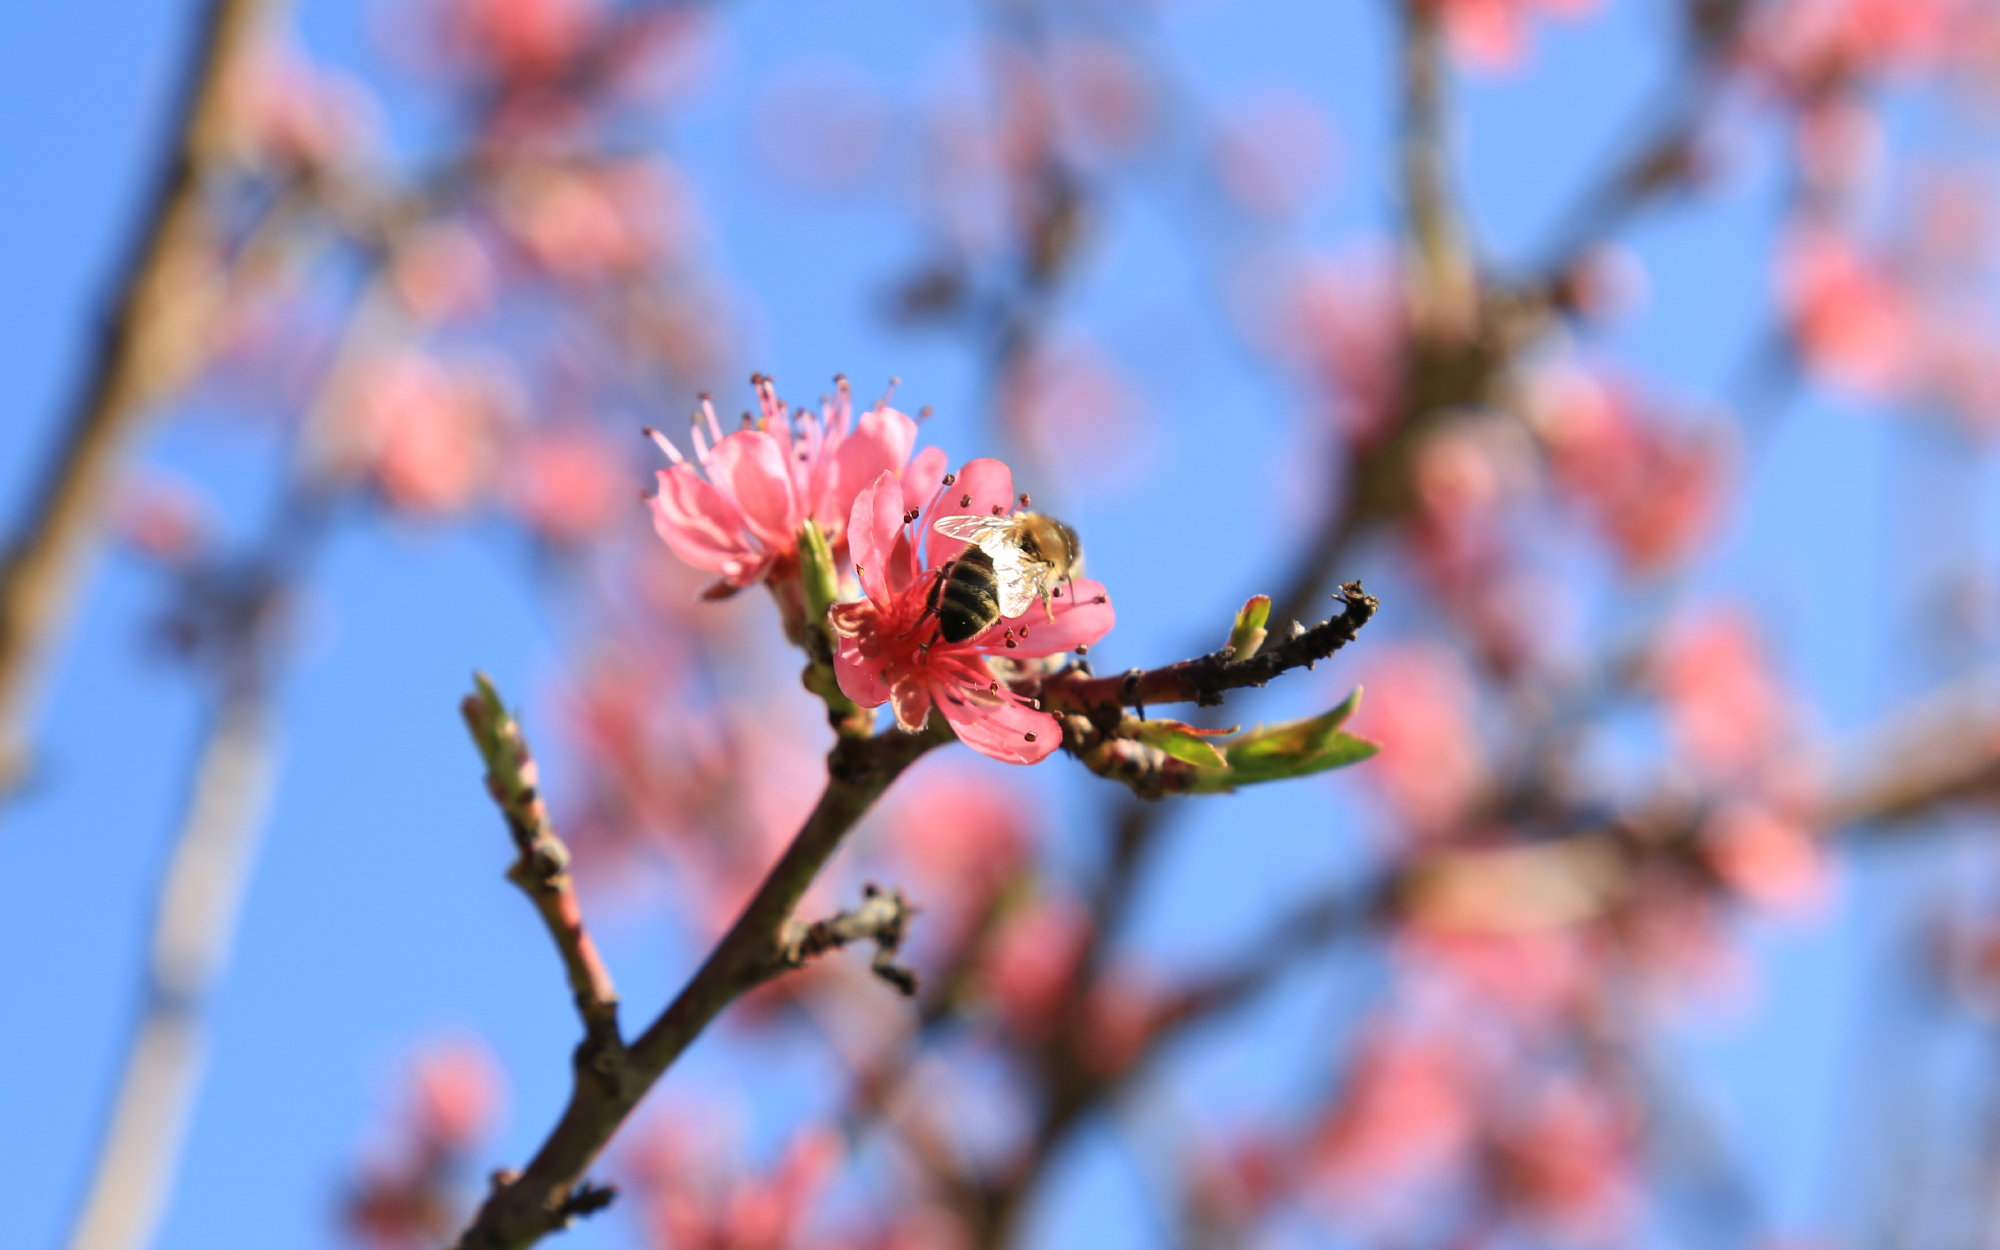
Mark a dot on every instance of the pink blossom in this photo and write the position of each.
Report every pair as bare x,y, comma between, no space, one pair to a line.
1768,857
1032,959
442,271
516,39
1406,1112
165,517
962,835
568,484
741,516
1849,316
692,1197
425,430
1432,766
1070,402
581,223
1535,976
286,110
1273,155
457,1087
1653,487
1492,34
822,125
890,651
1724,706
1806,46
1565,1158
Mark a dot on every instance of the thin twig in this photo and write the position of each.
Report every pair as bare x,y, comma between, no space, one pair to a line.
542,867
880,919
1203,680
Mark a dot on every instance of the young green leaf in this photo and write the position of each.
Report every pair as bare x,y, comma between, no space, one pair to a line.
1248,634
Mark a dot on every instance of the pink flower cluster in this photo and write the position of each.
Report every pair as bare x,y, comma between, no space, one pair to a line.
889,649
741,514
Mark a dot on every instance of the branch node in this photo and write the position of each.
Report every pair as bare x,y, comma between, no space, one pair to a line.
585,1200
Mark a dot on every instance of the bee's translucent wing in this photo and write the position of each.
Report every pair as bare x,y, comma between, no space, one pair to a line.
986,532
1021,578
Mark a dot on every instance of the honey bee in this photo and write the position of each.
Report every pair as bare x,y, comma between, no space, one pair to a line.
1013,561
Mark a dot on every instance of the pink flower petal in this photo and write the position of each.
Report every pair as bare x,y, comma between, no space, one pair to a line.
859,677
921,479
1000,729
912,701
1080,621
750,466
699,522
873,527
880,441
982,486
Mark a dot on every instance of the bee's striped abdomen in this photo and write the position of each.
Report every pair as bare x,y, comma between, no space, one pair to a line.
966,597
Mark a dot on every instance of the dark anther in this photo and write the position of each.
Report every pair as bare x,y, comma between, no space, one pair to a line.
1010,644
903,979
993,687
1056,593
951,479
1099,599
1024,499
965,501
1030,737
1083,648
997,509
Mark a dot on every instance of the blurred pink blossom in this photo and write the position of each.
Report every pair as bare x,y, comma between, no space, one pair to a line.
890,653
962,835
1078,412
1806,47
1030,961
164,517
1420,708
1406,1112
1273,153
1564,1157
1724,706
1849,316
515,40
692,1196
1768,857
427,432
1652,487
1493,34
591,222
1102,96
1340,321
442,271
456,1092
822,125
569,484
284,109
1532,976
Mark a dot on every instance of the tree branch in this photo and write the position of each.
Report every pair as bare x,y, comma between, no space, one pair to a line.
150,342
526,1206
1203,680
